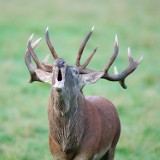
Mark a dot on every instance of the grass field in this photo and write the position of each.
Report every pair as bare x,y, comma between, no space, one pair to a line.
23,106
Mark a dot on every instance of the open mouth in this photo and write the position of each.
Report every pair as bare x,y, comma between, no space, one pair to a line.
60,67
59,78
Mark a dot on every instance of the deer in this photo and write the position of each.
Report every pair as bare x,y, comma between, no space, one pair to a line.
80,127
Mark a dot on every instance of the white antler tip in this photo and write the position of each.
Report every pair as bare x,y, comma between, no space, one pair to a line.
92,28
141,59
47,29
36,42
31,37
97,46
39,39
46,58
115,70
116,39
129,52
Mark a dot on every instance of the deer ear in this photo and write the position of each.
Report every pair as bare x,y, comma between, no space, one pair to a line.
45,77
91,78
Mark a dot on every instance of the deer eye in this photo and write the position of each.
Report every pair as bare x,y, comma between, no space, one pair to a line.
75,72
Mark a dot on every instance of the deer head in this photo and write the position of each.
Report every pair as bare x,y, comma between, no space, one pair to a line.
61,73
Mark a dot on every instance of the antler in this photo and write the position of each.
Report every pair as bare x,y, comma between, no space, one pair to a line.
120,76
43,71
77,64
117,76
53,51
42,68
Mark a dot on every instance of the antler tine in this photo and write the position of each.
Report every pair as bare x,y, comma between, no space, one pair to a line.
89,58
53,51
132,66
121,76
32,52
46,59
82,47
131,60
115,53
34,44
28,62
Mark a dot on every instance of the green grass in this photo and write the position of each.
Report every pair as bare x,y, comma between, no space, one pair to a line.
23,106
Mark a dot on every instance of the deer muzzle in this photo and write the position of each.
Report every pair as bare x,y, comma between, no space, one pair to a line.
60,70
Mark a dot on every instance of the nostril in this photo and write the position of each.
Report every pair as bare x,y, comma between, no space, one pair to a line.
59,78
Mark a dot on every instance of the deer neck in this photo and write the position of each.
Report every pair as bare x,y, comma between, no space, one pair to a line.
65,103
65,116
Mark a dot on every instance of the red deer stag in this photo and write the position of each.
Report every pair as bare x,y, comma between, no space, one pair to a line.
80,128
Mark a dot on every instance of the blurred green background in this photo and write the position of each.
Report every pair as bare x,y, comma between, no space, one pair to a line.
23,106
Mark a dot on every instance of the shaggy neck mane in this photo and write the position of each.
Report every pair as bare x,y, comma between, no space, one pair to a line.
67,125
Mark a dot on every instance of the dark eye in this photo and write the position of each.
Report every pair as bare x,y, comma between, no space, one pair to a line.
75,72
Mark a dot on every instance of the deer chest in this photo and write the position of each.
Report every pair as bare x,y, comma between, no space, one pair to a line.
66,135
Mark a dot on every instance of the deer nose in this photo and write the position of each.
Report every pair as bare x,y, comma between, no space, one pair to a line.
60,63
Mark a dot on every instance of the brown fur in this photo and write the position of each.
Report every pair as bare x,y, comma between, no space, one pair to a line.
85,131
